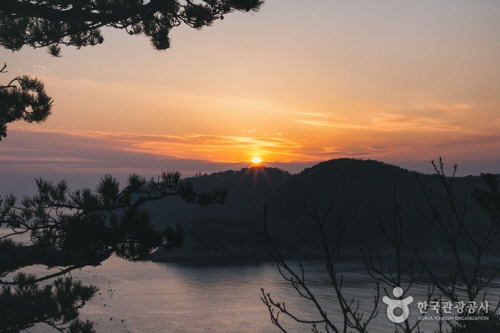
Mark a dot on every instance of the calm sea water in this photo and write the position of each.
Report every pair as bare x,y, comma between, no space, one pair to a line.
165,297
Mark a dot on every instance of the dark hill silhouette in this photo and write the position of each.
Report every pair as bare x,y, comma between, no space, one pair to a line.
362,191
247,191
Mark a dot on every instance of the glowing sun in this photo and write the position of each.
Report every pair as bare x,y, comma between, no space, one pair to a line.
256,160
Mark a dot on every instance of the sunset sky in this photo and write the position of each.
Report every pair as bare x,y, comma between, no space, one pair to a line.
297,83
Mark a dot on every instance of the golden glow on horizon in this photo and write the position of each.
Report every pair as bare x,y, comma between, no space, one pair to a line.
256,160
384,145
346,93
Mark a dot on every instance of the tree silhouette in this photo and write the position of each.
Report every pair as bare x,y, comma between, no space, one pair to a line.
469,242
402,271
51,23
83,228
352,318
465,237
23,98
71,230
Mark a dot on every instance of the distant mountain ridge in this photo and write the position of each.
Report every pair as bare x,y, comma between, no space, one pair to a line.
362,191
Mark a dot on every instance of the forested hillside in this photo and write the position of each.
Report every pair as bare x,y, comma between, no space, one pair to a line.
362,191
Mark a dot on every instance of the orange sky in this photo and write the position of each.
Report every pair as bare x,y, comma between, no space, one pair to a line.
298,82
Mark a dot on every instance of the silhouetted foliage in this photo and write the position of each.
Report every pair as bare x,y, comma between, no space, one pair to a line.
466,238
82,228
352,317
23,98
71,230
55,304
51,23
449,212
400,271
